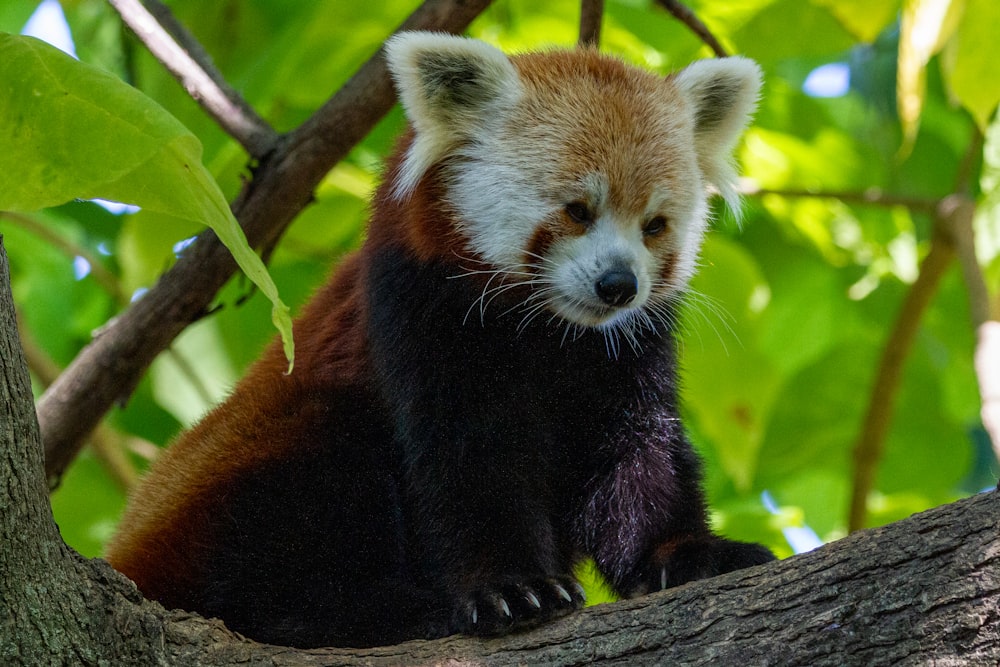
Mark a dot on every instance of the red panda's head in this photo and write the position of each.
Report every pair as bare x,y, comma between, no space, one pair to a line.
570,170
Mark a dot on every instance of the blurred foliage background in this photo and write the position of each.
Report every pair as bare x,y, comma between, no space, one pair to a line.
872,111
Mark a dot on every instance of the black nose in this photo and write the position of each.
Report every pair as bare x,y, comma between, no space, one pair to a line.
616,288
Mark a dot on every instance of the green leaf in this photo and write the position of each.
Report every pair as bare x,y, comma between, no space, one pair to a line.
865,19
971,72
728,384
768,38
925,27
69,131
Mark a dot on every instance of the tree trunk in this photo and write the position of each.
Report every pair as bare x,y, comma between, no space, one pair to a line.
925,590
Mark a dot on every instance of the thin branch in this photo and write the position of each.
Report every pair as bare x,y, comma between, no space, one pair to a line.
187,61
108,281
591,15
186,368
688,18
871,441
106,444
41,364
869,197
987,365
107,370
960,212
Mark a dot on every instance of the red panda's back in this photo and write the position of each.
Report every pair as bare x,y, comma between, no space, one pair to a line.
174,513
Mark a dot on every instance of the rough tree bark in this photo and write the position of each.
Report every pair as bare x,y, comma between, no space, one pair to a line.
922,591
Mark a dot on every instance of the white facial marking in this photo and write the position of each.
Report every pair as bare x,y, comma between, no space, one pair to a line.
513,139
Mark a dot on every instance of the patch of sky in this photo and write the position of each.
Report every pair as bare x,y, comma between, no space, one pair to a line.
48,23
830,80
800,538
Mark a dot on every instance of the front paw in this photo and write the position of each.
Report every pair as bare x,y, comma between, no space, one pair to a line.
687,559
512,603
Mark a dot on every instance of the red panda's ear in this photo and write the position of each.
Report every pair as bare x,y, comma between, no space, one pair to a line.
451,88
723,94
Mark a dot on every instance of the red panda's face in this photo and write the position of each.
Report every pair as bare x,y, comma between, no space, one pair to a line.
571,171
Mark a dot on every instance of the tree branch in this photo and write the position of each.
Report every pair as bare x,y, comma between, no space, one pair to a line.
869,197
187,61
987,365
107,370
961,213
107,280
688,18
591,15
870,443
922,590
106,445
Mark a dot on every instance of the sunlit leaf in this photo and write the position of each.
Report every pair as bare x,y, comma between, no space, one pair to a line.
925,27
767,36
729,384
970,72
865,19
69,130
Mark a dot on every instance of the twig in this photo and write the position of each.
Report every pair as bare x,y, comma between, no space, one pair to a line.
106,444
107,280
987,365
188,62
961,211
952,233
107,370
591,15
688,18
870,444
870,197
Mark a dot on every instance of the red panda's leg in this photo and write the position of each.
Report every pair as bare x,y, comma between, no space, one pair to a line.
311,549
486,534
645,522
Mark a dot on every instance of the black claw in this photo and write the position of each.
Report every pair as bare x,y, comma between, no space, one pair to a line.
497,609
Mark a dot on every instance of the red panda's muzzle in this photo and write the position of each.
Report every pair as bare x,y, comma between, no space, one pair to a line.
616,287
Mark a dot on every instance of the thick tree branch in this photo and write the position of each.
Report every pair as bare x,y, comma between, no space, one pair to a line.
591,16
922,591
187,61
683,14
107,370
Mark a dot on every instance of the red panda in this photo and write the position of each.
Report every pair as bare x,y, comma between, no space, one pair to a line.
485,393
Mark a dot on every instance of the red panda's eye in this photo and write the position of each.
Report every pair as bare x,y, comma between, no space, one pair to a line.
579,212
655,226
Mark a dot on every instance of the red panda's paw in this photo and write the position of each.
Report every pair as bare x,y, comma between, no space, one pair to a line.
510,604
687,559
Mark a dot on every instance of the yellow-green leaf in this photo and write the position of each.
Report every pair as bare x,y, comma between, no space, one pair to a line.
925,27
865,19
971,71
71,131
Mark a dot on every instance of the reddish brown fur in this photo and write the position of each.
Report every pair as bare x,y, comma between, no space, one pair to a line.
166,521
630,136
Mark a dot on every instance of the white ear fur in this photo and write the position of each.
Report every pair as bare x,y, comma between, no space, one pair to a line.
449,87
723,93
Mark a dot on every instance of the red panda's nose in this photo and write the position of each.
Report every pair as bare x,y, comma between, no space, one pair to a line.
616,288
